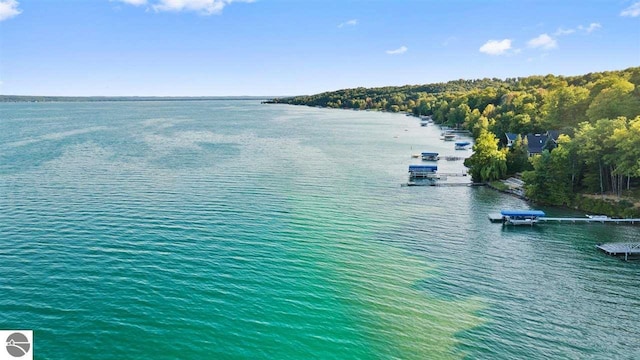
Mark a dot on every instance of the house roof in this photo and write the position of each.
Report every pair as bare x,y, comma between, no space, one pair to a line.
553,134
511,136
536,143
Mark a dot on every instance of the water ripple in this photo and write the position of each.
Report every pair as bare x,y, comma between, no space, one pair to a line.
236,230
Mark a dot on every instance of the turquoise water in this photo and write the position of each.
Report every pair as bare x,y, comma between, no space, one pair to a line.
236,230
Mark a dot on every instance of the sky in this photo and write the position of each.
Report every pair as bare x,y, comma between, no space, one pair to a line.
295,47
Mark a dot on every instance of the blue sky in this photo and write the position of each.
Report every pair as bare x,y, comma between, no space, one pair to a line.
287,47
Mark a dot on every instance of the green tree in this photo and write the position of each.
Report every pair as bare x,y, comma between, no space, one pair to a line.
566,107
481,125
440,111
566,144
550,180
598,151
521,124
628,145
489,111
487,162
423,107
472,119
518,156
613,101
458,114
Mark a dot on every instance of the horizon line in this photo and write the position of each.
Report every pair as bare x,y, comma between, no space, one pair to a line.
150,97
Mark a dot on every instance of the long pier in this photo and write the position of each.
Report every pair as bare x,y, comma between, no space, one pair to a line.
589,220
531,217
560,220
436,183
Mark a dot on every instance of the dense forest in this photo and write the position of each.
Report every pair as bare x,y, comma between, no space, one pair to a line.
597,115
31,98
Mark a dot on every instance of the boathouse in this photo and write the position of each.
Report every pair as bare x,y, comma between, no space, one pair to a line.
422,171
521,217
449,135
430,156
462,145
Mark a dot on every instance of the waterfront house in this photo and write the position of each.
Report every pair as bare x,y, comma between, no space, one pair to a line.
511,138
536,142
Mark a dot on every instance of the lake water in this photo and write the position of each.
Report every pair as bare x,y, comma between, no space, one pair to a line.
236,230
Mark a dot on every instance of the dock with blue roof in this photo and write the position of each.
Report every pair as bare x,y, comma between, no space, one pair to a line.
462,145
430,156
518,217
540,216
531,217
423,171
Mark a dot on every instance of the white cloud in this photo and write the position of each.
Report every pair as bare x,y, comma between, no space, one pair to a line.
9,9
585,29
133,2
543,41
496,47
204,7
589,29
401,50
632,11
352,22
561,32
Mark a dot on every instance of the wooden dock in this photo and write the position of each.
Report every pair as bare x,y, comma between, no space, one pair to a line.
625,249
454,158
452,174
435,183
458,184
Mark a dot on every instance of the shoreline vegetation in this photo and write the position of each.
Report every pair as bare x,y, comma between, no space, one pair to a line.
29,98
593,162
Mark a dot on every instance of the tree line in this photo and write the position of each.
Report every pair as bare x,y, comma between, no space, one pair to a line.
598,115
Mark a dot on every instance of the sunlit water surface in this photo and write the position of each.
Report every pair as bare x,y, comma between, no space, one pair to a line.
232,229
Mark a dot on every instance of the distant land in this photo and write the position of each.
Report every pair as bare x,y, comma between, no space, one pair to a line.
28,98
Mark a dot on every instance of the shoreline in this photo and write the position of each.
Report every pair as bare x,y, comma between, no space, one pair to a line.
599,206
614,213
